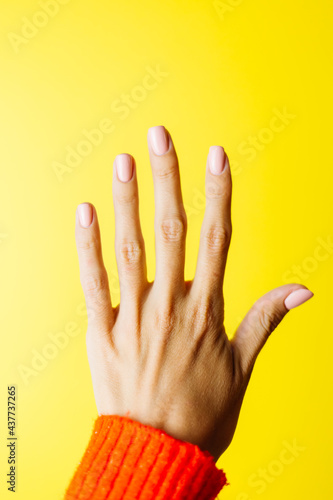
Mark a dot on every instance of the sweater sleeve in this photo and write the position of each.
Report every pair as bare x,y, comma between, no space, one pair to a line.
127,460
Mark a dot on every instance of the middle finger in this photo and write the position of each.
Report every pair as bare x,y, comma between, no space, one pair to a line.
170,215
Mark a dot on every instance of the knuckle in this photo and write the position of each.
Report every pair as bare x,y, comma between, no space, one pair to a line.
87,244
173,229
269,319
94,283
127,197
217,238
203,315
164,318
166,173
131,252
96,338
215,190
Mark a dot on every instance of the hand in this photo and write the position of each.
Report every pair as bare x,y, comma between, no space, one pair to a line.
162,356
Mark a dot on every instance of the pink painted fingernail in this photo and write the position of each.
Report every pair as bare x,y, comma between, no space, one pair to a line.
85,214
124,166
159,140
297,298
216,160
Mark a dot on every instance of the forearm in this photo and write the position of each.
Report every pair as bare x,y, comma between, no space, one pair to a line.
128,460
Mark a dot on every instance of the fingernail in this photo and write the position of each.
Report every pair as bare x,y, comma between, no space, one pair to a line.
124,166
85,214
159,140
297,298
216,160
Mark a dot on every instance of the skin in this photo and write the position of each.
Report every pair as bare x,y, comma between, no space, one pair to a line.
162,356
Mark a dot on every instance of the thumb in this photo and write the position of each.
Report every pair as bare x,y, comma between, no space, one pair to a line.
263,317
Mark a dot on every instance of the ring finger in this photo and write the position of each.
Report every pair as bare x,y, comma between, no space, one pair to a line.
129,242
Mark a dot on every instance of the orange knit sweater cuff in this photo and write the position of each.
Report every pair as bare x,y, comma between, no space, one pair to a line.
127,460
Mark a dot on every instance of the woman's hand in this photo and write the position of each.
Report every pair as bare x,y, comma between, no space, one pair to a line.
162,356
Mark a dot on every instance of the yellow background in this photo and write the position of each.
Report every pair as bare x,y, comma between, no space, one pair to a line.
226,70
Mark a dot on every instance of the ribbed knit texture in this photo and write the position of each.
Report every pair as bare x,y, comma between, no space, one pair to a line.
127,460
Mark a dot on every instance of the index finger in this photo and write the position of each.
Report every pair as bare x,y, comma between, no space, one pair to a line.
216,228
